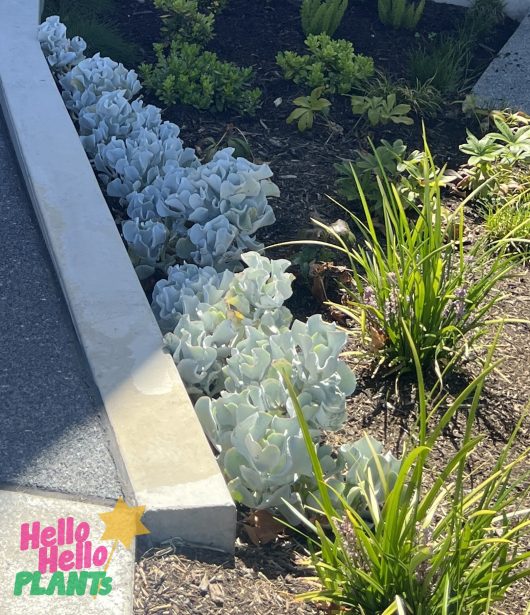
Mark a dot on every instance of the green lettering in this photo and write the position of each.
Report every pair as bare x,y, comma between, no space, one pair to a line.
105,586
56,583
77,583
22,578
36,589
96,580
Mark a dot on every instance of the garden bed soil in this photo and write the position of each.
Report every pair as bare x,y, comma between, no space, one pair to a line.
251,34
264,580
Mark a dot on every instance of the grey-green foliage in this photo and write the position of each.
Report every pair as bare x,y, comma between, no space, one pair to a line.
212,318
232,333
322,16
329,63
400,13
61,52
177,208
253,422
359,466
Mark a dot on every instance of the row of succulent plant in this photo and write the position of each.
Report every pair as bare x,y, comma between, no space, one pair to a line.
174,208
229,334
227,329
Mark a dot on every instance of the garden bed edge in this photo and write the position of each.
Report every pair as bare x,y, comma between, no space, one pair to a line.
158,444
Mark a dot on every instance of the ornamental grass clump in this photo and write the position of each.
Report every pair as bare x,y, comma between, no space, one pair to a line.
418,275
449,544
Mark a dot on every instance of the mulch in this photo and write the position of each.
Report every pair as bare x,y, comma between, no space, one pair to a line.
265,580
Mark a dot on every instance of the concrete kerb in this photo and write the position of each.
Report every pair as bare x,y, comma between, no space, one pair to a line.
165,460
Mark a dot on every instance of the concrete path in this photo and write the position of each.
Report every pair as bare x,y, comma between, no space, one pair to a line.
24,592
506,81
51,434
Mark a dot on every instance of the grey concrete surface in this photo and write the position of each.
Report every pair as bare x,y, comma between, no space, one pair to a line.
506,81
51,434
19,508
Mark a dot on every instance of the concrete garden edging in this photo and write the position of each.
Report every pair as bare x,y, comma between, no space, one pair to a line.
159,446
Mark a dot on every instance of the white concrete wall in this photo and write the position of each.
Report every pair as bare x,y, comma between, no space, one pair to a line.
516,9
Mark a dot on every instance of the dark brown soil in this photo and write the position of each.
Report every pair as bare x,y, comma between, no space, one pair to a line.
264,580
251,34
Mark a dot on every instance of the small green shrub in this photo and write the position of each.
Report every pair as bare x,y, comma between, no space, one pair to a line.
442,544
322,16
184,22
442,63
307,108
400,13
329,63
380,110
189,75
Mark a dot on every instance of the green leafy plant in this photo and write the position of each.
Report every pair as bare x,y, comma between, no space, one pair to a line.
307,108
442,62
231,137
390,162
502,156
329,63
187,74
446,544
322,16
367,166
419,275
400,13
184,22
424,98
380,110
212,6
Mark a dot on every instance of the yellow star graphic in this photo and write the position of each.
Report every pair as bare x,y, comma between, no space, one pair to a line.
123,523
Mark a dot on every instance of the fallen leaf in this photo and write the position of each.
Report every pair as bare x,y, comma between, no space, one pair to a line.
378,339
262,528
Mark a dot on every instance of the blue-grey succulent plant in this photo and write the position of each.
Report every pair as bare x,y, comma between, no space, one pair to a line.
253,423
146,241
113,116
310,353
185,288
129,165
364,466
200,346
205,307
61,52
89,79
